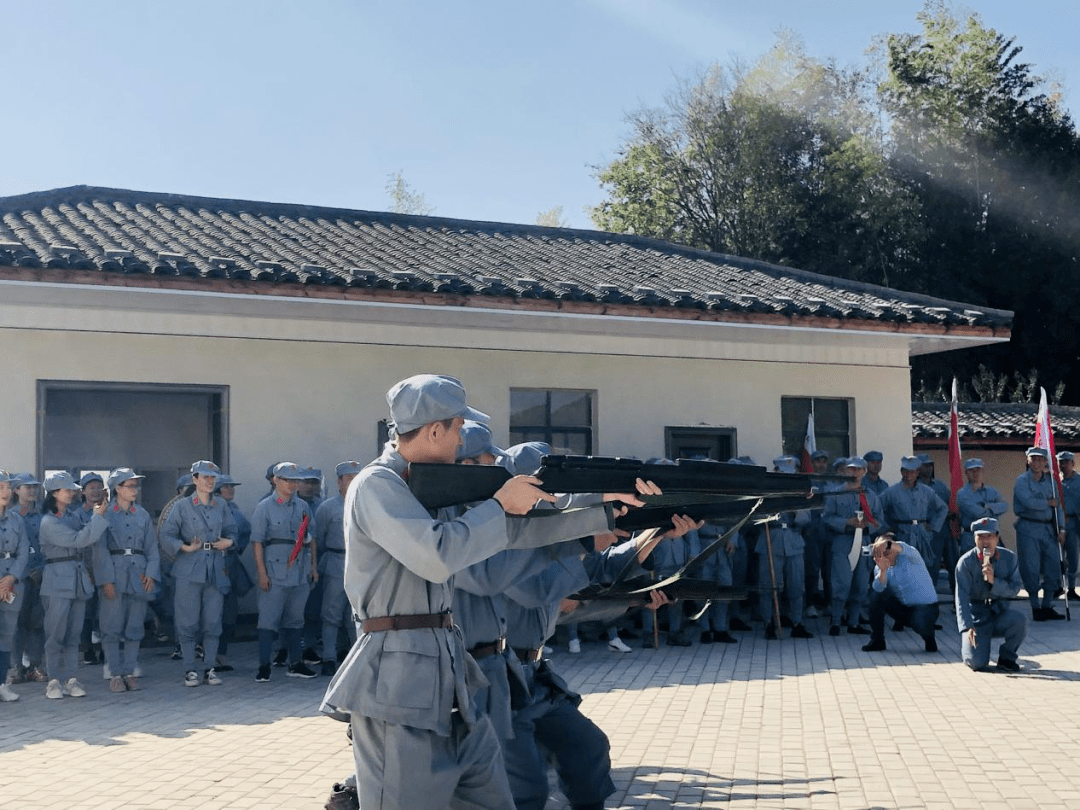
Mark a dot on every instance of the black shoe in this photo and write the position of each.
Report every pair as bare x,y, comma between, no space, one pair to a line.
931,644
834,630
770,632
738,624
1008,665
329,668
937,626
785,622
282,657
224,668
724,637
899,626
856,630
706,637
176,654
875,645
800,631
1073,595
342,797
1058,593
1051,615
300,670
677,640
1038,614
263,675
88,658
310,657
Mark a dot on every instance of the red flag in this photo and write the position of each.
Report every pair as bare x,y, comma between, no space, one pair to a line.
866,507
301,533
1044,438
809,444
956,465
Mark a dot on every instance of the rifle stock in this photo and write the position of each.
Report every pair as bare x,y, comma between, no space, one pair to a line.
439,485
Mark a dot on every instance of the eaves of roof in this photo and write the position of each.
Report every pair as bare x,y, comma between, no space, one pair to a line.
90,235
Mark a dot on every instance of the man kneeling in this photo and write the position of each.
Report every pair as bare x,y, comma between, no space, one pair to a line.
986,576
903,589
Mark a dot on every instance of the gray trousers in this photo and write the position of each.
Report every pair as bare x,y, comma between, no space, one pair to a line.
63,626
282,607
1010,625
9,623
121,619
30,636
1040,564
336,611
848,587
790,585
197,607
404,768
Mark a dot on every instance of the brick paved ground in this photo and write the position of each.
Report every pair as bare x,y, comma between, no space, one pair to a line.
788,724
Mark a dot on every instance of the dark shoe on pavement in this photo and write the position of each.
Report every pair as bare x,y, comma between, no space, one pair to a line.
1051,615
343,797
310,657
800,631
931,644
176,654
1073,595
785,621
329,668
856,630
724,637
1038,614
706,637
770,631
834,630
899,626
282,657
738,624
300,670
875,645
677,640
263,675
1008,665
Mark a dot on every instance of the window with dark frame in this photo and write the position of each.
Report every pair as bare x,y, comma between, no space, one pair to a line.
562,418
832,424
716,443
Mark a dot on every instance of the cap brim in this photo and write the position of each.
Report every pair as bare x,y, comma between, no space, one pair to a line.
475,415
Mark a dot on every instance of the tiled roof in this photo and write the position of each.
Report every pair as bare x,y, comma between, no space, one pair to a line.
130,232
994,421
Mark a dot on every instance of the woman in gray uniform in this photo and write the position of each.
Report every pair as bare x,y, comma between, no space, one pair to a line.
65,585
126,571
196,534
14,554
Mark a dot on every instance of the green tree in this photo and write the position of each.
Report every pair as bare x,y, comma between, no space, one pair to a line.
403,199
782,162
552,218
995,163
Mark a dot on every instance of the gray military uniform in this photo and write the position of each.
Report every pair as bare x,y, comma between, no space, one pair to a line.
418,739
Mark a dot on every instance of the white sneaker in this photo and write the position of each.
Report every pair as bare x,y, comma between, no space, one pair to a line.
53,691
191,678
7,694
211,678
574,646
618,645
74,688
106,672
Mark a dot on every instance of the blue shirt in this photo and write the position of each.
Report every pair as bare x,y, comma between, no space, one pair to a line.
907,578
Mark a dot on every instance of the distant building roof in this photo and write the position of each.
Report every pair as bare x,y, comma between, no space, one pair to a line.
1007,423
111,236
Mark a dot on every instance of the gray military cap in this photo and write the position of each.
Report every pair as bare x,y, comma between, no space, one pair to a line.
289,471
348,468
972,463
426,398
61,480
476,438
120,475
910,463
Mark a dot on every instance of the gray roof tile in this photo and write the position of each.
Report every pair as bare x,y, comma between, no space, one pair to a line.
117,231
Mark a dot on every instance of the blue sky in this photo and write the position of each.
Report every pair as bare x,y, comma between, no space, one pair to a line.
493,110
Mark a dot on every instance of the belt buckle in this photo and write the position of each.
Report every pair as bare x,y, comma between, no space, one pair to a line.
500,645
208,546
8,555
129,552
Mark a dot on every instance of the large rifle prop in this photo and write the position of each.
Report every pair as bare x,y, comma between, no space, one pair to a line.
703,490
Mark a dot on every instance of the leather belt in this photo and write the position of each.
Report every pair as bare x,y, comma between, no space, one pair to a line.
417,621
488,650
8,555
333,551
279,541
529,655
127,552
1036,520
72,558
913,522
